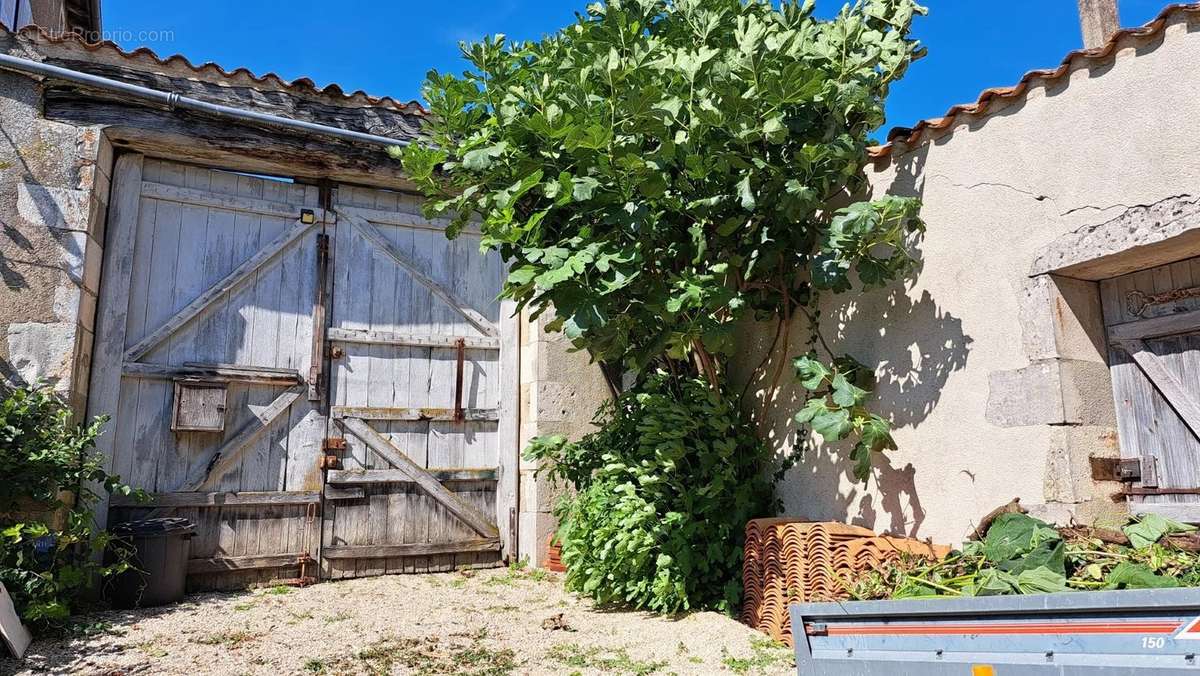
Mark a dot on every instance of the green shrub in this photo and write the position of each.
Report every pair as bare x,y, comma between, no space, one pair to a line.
665,488
49,541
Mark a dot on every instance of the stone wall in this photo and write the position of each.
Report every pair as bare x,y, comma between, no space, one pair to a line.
560,393
53,189
993,360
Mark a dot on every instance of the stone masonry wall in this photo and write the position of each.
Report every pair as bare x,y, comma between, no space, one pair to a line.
54,182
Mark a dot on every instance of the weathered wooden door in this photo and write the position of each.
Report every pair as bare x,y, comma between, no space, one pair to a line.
424,383
204,340
1153,321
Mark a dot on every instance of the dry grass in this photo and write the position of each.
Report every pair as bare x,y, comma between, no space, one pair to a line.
477,623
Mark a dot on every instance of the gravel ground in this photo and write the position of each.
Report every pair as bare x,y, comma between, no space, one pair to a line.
489,623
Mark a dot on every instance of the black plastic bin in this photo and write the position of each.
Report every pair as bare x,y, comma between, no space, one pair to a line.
159,567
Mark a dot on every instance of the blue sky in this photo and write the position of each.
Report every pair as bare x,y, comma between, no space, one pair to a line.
386,47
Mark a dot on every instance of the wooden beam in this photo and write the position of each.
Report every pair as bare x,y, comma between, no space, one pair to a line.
112,316
235,499
201,198
214,372
1099,20
395,476
333,492
1184,512
238,276
226,564
412,414
376,238
416,549
410,339
1180,322
455,505
231,451
406,220
1177,396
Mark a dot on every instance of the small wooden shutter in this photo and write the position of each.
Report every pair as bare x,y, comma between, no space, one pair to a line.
1153,320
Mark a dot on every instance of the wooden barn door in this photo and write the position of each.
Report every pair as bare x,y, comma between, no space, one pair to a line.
1153,320
424,383
204,342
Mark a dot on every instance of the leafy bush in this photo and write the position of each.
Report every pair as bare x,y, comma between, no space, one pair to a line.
1022,555
665,489
51,473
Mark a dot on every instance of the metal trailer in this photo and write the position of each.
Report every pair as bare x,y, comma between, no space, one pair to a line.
1105,633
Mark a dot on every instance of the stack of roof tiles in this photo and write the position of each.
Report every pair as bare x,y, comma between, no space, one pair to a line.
789,560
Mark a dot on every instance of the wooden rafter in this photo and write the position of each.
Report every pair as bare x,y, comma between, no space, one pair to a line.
426,481
238,276
376,238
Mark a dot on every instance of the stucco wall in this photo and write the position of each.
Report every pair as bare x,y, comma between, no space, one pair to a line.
996,378
53,186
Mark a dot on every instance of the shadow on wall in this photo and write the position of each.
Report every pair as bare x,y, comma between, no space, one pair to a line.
916,345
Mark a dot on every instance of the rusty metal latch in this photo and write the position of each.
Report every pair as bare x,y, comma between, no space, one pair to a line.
1137,302
459,414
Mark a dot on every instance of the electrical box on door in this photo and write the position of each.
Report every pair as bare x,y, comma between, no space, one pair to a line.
199,406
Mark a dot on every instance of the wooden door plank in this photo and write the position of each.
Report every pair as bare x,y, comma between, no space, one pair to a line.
415,549
410,339
1165,381
376,238
238,276
231,451
384,449
413,414
395,476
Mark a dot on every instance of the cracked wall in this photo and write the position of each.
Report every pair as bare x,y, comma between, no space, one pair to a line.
53,191
992,360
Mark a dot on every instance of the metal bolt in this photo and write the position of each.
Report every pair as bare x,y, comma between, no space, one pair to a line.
1190,658
939,653
849,652
1049,655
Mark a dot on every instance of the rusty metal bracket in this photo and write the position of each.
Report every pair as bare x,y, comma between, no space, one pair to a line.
460,415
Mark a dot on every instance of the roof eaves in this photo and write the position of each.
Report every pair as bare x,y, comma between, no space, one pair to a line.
147,57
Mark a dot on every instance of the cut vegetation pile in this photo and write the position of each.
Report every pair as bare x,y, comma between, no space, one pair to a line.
1022,555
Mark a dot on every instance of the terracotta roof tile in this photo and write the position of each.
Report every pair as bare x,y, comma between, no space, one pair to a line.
913,136
210,70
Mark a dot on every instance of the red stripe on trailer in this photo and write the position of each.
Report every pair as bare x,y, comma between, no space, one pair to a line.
1002,628
1191,633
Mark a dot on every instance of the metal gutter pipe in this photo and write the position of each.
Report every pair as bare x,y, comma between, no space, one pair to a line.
173,101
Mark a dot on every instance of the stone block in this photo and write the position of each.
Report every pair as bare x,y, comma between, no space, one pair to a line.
40,351
60,208
1068,468
1051,392
533,537
540,493
1061,318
